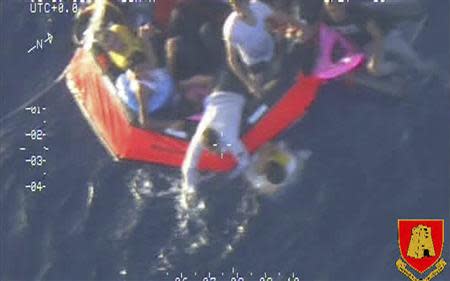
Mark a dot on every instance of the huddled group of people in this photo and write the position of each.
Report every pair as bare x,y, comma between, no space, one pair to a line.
212,56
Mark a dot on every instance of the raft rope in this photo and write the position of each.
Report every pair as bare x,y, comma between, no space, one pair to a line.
35,97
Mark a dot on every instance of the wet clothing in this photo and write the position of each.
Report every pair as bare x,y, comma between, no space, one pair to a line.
158,81
253,43
223,112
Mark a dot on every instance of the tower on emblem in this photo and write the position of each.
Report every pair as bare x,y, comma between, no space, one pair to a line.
421,243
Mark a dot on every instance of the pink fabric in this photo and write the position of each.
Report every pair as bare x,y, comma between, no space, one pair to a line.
325,67
196,117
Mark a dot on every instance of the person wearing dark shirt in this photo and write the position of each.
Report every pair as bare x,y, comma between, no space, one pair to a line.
194,44
306,10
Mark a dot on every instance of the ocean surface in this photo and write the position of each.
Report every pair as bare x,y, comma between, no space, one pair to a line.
373,160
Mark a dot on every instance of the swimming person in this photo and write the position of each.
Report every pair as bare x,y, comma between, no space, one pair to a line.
378,35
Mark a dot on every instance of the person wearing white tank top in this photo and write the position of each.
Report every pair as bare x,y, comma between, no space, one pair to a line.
246,38
249,41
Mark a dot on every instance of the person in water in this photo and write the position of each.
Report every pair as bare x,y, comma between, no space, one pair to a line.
377,34
144,84
250,43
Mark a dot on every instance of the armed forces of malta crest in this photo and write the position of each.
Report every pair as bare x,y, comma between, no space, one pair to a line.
421,243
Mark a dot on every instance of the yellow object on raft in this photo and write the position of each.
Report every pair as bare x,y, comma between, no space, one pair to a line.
133,45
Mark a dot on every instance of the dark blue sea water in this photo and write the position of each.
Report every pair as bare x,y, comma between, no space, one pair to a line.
374,160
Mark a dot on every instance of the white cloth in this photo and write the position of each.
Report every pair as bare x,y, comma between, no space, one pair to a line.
159,81
254,43
223,113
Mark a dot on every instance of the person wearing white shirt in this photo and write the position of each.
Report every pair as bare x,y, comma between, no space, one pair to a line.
248,40
250,45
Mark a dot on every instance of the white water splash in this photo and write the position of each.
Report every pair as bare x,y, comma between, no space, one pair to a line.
247,209
297,161
191,233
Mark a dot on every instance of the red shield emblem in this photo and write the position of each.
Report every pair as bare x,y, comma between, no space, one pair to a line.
421,242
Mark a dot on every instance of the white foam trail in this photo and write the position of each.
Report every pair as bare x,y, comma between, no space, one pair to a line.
46,259
190,216
79,220
141,185
142,190
90,195
20,220
129,210
191,233
247,209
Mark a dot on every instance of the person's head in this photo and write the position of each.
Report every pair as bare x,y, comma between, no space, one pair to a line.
335,10
239,5
139,63
122,45
110,41
211,139
275,172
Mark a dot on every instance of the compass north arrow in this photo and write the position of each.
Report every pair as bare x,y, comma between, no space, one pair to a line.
49,38
39,43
